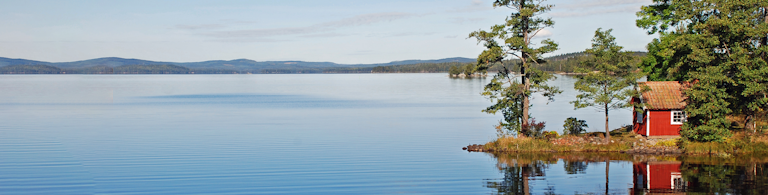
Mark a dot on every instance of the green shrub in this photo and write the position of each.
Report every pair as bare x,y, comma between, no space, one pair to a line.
574,126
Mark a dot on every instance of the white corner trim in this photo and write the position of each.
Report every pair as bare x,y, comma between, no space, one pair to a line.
648,172
648,123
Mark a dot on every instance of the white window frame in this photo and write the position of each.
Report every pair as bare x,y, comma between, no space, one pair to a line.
672,117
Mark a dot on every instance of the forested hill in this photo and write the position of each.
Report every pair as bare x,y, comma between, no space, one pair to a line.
109,65
559,63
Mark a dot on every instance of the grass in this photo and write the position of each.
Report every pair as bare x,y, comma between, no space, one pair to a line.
512,144
669,143
739,143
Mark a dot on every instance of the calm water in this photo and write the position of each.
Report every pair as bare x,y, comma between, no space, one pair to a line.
270,134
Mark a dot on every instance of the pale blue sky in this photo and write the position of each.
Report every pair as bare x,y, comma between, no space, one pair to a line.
341,31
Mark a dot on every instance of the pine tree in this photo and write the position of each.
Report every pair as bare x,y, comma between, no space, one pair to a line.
514,38
610,78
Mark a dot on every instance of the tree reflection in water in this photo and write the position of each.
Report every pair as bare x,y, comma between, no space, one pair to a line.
575,167
652,174
726,178
516,178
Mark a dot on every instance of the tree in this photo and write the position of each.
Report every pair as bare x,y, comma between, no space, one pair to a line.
608,78
721,48
514,38
574,126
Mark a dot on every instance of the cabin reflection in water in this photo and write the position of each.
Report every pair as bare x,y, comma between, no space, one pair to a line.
658,178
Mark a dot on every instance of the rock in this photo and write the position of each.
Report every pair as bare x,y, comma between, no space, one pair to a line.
474,148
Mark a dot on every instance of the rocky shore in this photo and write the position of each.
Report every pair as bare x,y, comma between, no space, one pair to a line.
630,145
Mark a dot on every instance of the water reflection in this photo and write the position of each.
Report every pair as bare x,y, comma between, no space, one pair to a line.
552,173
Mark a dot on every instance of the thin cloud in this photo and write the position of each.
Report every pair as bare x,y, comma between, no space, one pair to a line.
544,33
312,29
474,6
403,34
624,9
366,19
597,7
462,20
325,35
603,3
200,27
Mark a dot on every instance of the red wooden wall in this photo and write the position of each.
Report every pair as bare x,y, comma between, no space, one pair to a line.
660,123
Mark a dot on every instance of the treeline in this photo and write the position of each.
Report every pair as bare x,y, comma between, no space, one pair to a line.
418,68
317,70
561,63
125,69
566,63
30,69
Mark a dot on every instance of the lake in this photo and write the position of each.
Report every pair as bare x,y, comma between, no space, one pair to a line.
280,134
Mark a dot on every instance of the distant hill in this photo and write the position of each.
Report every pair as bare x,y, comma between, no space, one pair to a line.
108,65
10,62
112,65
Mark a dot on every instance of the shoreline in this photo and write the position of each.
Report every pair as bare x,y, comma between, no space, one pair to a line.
625,144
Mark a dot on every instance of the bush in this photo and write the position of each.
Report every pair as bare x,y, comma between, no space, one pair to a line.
574,126
533,129
454,71
550,134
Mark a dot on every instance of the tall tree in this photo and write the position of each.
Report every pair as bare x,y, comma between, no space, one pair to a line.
720,47
514,38
609,78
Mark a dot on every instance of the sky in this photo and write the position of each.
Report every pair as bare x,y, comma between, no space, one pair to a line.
340,31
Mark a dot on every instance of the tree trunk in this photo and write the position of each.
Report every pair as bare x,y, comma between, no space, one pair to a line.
607,168
526,101
765,14
607,132
523,69
526,173
750,123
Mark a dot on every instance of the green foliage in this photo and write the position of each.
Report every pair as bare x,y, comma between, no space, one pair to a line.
513,38
718,46
550,134
570,62
574,126
454,71
507,99
610,78
663,56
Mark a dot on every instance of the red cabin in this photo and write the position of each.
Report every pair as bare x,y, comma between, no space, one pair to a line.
662,113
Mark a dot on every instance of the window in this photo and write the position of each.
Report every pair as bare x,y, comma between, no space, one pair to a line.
678,117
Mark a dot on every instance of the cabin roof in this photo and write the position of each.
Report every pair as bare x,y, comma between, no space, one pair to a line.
663,95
